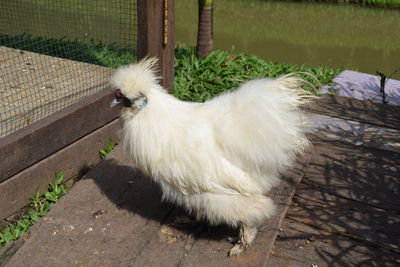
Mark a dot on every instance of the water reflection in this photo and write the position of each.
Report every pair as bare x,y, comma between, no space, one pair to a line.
347,36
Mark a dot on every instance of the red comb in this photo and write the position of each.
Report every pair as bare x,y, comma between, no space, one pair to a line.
118,94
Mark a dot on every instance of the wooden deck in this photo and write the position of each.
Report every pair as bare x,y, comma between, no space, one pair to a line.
345,212
338,206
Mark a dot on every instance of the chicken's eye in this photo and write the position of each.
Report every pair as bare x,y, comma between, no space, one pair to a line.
118,94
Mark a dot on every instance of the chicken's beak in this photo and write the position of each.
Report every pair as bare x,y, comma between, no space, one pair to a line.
118,98
116,102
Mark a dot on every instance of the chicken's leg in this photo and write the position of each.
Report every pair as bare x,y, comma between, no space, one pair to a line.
246,237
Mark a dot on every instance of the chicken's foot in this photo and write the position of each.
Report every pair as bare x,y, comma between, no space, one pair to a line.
246,237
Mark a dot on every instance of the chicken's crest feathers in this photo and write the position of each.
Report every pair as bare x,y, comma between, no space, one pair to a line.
149,63
137,78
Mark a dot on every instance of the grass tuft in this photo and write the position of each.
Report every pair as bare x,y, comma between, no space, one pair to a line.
109,147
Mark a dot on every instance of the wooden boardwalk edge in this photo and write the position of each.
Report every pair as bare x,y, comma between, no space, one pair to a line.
292,179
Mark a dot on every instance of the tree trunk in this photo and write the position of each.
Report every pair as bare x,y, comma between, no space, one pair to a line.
205,29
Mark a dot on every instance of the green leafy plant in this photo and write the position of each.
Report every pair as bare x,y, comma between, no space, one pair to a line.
39,206
109,147
201,79
57,190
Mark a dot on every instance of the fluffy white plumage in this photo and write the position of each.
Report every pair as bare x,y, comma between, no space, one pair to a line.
217,159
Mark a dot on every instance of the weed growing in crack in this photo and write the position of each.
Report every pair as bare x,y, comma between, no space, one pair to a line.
109,147
39,206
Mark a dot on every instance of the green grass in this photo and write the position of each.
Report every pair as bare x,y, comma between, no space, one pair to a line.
109,147
107,55
39,206
199,80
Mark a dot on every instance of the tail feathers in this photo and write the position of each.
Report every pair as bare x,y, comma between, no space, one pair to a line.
292,82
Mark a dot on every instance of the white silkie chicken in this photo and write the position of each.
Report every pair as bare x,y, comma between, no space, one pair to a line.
216,159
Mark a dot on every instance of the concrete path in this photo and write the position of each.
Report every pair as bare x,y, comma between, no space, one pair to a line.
364,86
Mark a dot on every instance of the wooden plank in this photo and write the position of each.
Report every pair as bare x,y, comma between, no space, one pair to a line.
382,138
185,242
345,211
358,173
107,219
169,47
44,137
9,250
176,237
357,110
332,129
357,220
302,245
211,246
151,40
181,241
115,217
73,160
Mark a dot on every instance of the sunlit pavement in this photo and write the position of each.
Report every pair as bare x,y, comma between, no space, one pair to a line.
364,87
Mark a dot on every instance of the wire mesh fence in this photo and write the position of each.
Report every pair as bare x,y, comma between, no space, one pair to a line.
53,53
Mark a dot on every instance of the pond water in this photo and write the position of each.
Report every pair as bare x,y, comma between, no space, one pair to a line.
345,36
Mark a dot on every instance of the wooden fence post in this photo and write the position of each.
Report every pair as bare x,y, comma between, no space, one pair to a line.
156,35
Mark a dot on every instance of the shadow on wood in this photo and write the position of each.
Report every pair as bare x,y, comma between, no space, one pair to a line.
346,211
189,241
